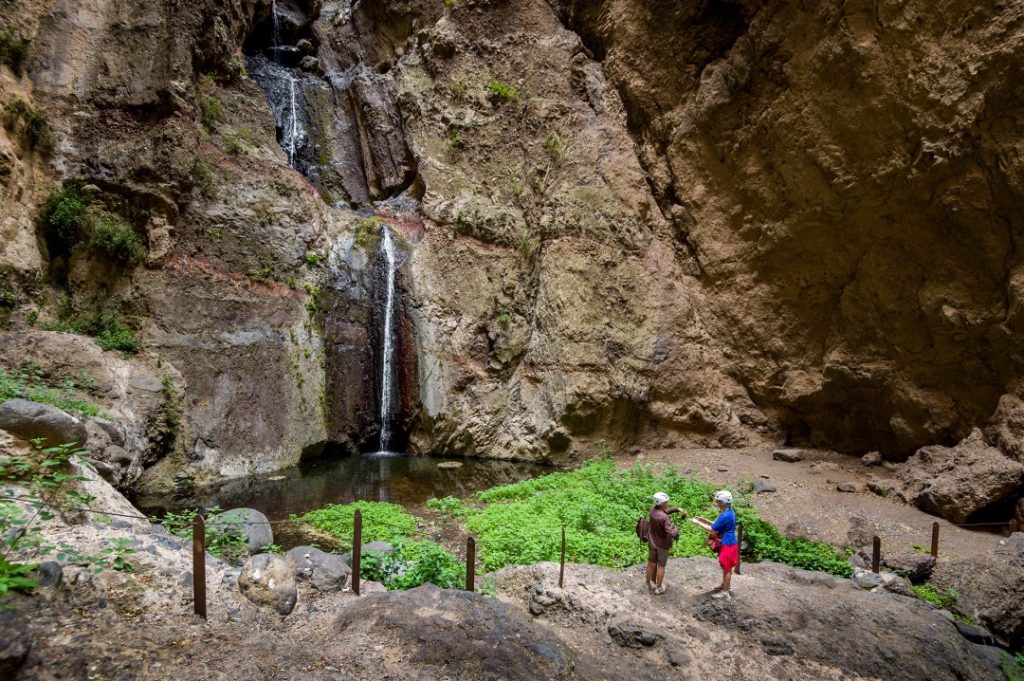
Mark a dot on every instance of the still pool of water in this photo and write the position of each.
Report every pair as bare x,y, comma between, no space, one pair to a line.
397,478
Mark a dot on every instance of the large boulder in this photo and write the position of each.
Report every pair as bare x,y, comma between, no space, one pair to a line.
1006,427
954,482
324,571
30,420
247,522
990,588
15,644
269,581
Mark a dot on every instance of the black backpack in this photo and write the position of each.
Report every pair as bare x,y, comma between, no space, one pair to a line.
643,530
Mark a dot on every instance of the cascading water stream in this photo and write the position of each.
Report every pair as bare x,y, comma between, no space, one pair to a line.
387,345
293,134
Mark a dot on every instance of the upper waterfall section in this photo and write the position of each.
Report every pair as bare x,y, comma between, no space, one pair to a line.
337,118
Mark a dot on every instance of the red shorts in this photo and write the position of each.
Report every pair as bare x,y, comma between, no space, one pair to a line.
729,556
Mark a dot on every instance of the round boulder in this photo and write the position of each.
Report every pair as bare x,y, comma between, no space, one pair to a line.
324,571
29,420
247,522
268,581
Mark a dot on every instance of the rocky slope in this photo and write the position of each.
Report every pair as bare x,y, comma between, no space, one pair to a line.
722,223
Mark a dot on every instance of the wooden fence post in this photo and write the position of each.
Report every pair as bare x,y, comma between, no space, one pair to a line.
199,565
876,555
561,569
470,564
357,549
739,547
935,540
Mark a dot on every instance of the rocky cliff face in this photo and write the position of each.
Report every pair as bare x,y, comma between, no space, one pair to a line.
717,223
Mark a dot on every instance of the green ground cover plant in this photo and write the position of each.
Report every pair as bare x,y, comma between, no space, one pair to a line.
599,506
28,384
381,521
940,598
413,564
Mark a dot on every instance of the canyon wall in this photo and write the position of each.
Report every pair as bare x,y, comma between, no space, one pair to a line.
707,223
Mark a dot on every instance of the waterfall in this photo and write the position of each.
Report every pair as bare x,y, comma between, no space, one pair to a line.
295,123
275,35
388,345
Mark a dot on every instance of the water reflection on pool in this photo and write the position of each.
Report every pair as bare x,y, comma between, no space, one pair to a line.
398,478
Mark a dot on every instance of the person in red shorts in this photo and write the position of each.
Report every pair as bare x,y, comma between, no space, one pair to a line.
725,527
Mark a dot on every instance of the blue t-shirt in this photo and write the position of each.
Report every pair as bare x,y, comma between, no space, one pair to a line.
725,527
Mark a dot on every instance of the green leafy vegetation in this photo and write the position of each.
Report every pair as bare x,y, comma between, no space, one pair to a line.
1013,666
20,115
381,521
599,505
413,564
235,142
940,598
28,384
226,542
205,176
69,221
212,110
449,505
117,240
368,232
106,326
13,50
554,145
314,259
118,554
503,91
45,472
63,218
455,142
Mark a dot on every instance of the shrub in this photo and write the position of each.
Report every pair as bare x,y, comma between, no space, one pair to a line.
381,521
227,541
599,505
28,384
234,142
413,564
502,91
211,110
111,236
368,232
13,50
107,327
455,143
64,219
31,121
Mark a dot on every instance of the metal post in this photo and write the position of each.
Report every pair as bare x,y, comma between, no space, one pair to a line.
561,569
470,563
199,565
357,549
935,540
739,547
876,555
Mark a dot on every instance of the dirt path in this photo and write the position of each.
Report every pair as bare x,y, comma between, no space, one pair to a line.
807,503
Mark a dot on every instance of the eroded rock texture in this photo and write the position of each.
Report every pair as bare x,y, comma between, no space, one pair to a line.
844,178
651,223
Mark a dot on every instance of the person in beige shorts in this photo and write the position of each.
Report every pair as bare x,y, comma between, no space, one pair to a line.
660,536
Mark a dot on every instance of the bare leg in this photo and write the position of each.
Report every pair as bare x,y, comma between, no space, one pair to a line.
726,580
661,575
650,573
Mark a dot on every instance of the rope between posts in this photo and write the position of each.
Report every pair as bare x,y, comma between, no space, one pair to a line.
37,502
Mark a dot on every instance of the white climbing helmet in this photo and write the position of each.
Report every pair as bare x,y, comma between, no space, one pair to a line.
660,498
725,496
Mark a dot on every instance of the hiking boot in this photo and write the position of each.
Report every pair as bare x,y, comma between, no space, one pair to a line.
660,590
